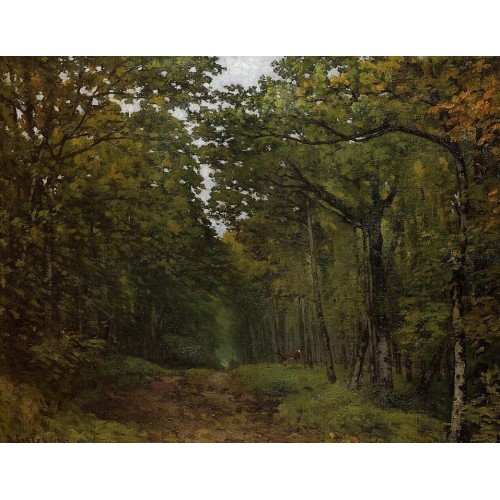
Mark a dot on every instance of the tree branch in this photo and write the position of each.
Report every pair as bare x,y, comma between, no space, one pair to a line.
336,205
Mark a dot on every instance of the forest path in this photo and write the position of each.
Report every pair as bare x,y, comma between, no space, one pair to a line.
212,408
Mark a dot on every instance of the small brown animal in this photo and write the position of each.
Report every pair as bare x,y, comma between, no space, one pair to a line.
290,356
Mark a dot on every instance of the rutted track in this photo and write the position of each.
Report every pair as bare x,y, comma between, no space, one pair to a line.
213,409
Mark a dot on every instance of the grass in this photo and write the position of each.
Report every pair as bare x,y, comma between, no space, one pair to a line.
197,376
116,372
127,371
307,405
336,413
70,424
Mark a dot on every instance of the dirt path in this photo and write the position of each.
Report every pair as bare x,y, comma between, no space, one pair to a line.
213,409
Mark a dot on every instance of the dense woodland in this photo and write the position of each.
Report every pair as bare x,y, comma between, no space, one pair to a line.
357,203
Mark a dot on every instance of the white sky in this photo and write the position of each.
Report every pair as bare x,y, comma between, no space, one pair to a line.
243,70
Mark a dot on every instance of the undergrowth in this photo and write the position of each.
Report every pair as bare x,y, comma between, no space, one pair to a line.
29,415
337,414
305,402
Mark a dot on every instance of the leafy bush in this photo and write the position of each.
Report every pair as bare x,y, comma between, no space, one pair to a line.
56,361
65,374
483,412
122,371
20,409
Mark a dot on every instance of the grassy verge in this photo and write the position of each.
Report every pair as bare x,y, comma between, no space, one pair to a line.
308,401
26,415
75,423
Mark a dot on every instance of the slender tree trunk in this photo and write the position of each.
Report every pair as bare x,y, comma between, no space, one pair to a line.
80,312
309,347
372,337
153,322
397,360
431,371
49,302
457,290
46,201
277,342
393,289
271,329
323,329
313,337
355,378
409,369
279,321
251,336
282,327
272,347
459,386
344,360
365,335
305,338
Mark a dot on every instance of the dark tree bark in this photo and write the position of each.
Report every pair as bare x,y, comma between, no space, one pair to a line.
372,228
252,337
457,291
397,360
409,369
305,337
323,328
279,324
355,378
432,369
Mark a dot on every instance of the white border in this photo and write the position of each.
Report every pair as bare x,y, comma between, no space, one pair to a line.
249,471
260,27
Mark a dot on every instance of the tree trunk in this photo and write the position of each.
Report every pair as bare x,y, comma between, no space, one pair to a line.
409,369
49,301
432,370
359,354
397,360
305,338
372,338
458,259
355,378
251,337
279,321
309,345
323,328
378,278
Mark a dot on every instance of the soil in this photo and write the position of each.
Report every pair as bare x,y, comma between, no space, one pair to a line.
214,409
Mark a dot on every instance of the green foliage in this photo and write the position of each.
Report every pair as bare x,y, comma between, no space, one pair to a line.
483,412
121,371
308,401
20,411
58,361
59,415
72,422
73,426
104,237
